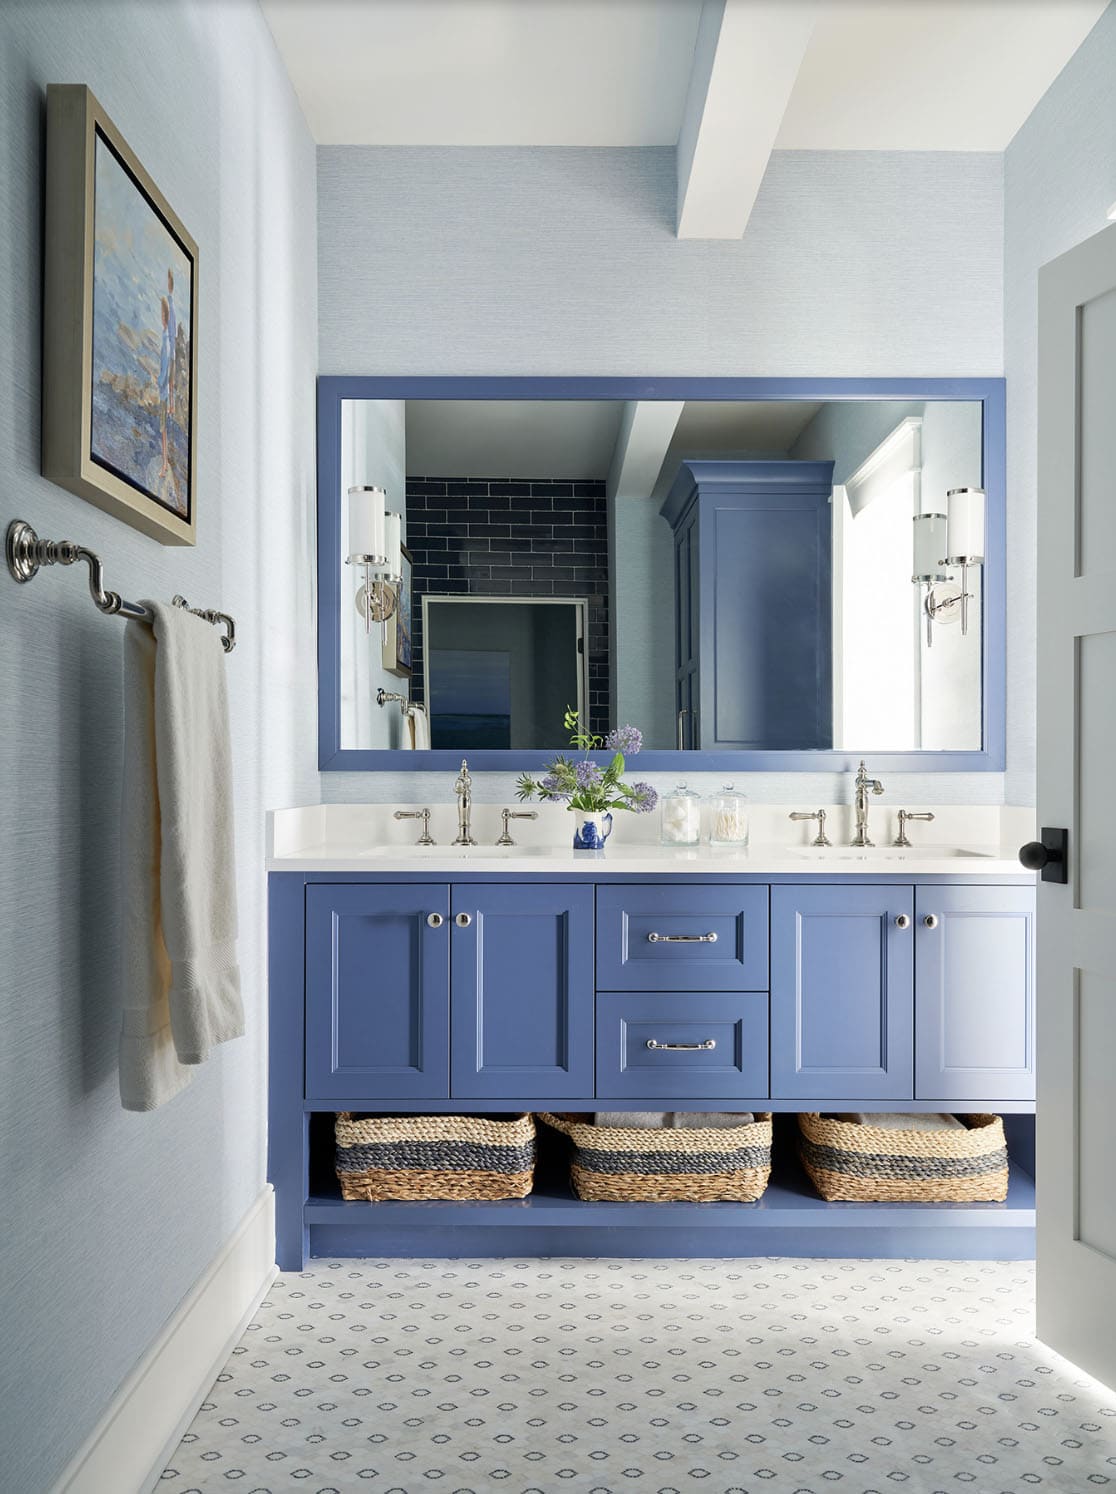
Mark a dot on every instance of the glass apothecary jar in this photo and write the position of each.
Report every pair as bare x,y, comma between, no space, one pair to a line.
681,822
728,817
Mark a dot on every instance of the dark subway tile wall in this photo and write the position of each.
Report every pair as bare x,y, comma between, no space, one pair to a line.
517,537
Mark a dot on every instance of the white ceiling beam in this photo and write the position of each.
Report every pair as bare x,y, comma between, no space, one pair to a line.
746,59
646,431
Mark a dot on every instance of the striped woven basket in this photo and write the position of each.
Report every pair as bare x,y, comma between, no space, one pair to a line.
624,1164
854,1162
434,1156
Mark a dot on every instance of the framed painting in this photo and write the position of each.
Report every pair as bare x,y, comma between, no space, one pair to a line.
120,330
397,656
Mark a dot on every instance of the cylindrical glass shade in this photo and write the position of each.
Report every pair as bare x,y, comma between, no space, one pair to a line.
966,525
930,534
366,521
393,529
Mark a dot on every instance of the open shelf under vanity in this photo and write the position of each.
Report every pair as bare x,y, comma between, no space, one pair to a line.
790,1219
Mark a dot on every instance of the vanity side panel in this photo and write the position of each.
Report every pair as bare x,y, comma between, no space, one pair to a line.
287,1124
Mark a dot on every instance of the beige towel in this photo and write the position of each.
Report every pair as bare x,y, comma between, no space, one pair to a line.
639,1120
718,1120
889,1120
181,985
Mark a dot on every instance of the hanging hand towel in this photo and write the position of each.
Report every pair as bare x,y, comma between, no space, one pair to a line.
180,977
418,729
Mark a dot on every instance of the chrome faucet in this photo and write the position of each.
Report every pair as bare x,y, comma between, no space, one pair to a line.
463,788
864,786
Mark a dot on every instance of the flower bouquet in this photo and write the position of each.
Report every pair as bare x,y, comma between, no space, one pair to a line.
588,790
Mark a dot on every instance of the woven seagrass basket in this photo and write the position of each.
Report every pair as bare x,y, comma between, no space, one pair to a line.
434,1156
623,1164
851,1162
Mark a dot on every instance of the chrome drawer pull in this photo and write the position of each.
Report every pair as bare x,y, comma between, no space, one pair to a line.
682,938
657,1047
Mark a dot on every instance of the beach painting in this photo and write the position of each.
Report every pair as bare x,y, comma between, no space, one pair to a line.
120,324
141,374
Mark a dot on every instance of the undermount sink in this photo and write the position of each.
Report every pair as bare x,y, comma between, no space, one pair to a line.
466,853
886,853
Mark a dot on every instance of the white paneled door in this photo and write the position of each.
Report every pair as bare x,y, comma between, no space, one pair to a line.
1077,791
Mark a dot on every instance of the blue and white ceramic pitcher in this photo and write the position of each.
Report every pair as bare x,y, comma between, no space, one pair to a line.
592,828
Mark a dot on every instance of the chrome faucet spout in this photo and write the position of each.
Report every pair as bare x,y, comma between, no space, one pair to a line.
864,786
463,788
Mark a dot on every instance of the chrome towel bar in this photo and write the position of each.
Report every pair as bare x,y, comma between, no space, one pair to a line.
25,552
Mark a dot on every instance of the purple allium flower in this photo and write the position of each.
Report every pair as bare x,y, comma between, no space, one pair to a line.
644,798
625,739
588,774
550,787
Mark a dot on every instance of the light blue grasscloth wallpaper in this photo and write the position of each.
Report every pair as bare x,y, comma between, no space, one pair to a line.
565,261
109,1218
1059,182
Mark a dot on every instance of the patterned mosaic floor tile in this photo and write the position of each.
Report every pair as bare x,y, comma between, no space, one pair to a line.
660,1377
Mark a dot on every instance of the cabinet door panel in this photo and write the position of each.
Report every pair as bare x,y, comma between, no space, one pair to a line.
842,993
974,994
523,991
377,992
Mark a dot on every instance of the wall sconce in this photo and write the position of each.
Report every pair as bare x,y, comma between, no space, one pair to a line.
965,545
942,542
375,537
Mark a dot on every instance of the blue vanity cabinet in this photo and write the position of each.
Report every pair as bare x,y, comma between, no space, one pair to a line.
753,601
523,993
842,992
975,996
377,991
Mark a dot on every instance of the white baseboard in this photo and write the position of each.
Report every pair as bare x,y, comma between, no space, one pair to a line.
130,1446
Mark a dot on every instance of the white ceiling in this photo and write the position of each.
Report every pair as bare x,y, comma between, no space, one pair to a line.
559,438
575,439
876,75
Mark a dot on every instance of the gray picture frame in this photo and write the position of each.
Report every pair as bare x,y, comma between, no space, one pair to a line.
151,383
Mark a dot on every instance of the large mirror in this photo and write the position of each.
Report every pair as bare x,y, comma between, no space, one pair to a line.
751,580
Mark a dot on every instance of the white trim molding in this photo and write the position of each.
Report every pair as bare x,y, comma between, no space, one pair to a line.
128,1449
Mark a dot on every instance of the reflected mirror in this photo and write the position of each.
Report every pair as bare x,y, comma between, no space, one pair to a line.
729,575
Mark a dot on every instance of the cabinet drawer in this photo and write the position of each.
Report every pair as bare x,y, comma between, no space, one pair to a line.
715,1045
692,938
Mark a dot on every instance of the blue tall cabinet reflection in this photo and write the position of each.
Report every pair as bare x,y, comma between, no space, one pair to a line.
753,604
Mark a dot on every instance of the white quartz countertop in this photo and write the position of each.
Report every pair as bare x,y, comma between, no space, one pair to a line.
366,838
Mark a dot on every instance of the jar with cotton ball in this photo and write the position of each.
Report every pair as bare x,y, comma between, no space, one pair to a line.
681,822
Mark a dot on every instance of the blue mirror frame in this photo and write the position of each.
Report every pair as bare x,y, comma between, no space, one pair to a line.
333,390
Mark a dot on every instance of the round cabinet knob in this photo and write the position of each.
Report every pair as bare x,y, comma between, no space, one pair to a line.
1034,855
930,921
463,920
435,920
903,921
